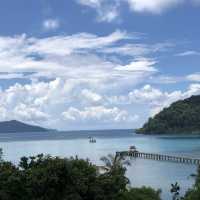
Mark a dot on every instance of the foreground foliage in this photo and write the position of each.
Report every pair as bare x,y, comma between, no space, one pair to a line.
140,194
181,117
52,178
194,193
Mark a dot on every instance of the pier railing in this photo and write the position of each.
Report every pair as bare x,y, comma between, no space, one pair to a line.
159,157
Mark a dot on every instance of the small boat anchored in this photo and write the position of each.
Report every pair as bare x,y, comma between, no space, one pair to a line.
92,140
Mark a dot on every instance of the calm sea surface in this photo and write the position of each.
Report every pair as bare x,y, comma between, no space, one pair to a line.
157,174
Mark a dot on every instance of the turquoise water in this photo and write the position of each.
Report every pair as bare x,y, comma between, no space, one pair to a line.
142,172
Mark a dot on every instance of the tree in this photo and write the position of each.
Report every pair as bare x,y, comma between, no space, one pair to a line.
194,193
48,178
1,155
114,163
175,191
52,178
113,181
143,193
180,117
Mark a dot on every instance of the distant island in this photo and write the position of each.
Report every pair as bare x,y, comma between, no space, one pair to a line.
15,126
182,117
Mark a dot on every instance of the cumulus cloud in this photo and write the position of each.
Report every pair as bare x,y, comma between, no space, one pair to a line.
145,94
90,96
52,104
158,99
77,79
63,102
30,102
30,114
99,114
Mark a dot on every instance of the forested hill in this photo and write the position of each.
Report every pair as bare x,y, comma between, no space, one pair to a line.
182,117
14,126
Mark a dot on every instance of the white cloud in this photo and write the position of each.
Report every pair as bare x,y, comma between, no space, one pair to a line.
189,53
152,6
145,94
30,54
165,79
34,102
151,100
105,8
73,57
109,15
90,96
46,103
99,114
27,113
66,45
158,99
75,77
91,3
194,77
65,103
139,65
138,49
51,24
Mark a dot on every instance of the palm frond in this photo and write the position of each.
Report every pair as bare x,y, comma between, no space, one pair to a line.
106,161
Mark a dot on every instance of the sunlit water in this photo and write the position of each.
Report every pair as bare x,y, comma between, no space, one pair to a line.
157,174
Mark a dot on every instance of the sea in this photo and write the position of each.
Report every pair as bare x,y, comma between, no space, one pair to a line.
150,173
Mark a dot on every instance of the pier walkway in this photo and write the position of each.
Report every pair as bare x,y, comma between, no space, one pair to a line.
159,157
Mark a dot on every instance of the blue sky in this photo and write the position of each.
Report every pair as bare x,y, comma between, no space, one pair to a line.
96,64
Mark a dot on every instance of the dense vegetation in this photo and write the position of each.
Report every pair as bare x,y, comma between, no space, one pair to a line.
53,178
194,193
181,117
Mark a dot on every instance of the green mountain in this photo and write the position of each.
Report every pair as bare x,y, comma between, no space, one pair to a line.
182,117
14,126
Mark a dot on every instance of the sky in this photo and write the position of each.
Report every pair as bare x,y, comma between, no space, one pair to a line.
96,64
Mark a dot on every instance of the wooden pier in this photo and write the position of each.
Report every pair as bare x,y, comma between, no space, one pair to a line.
159,157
